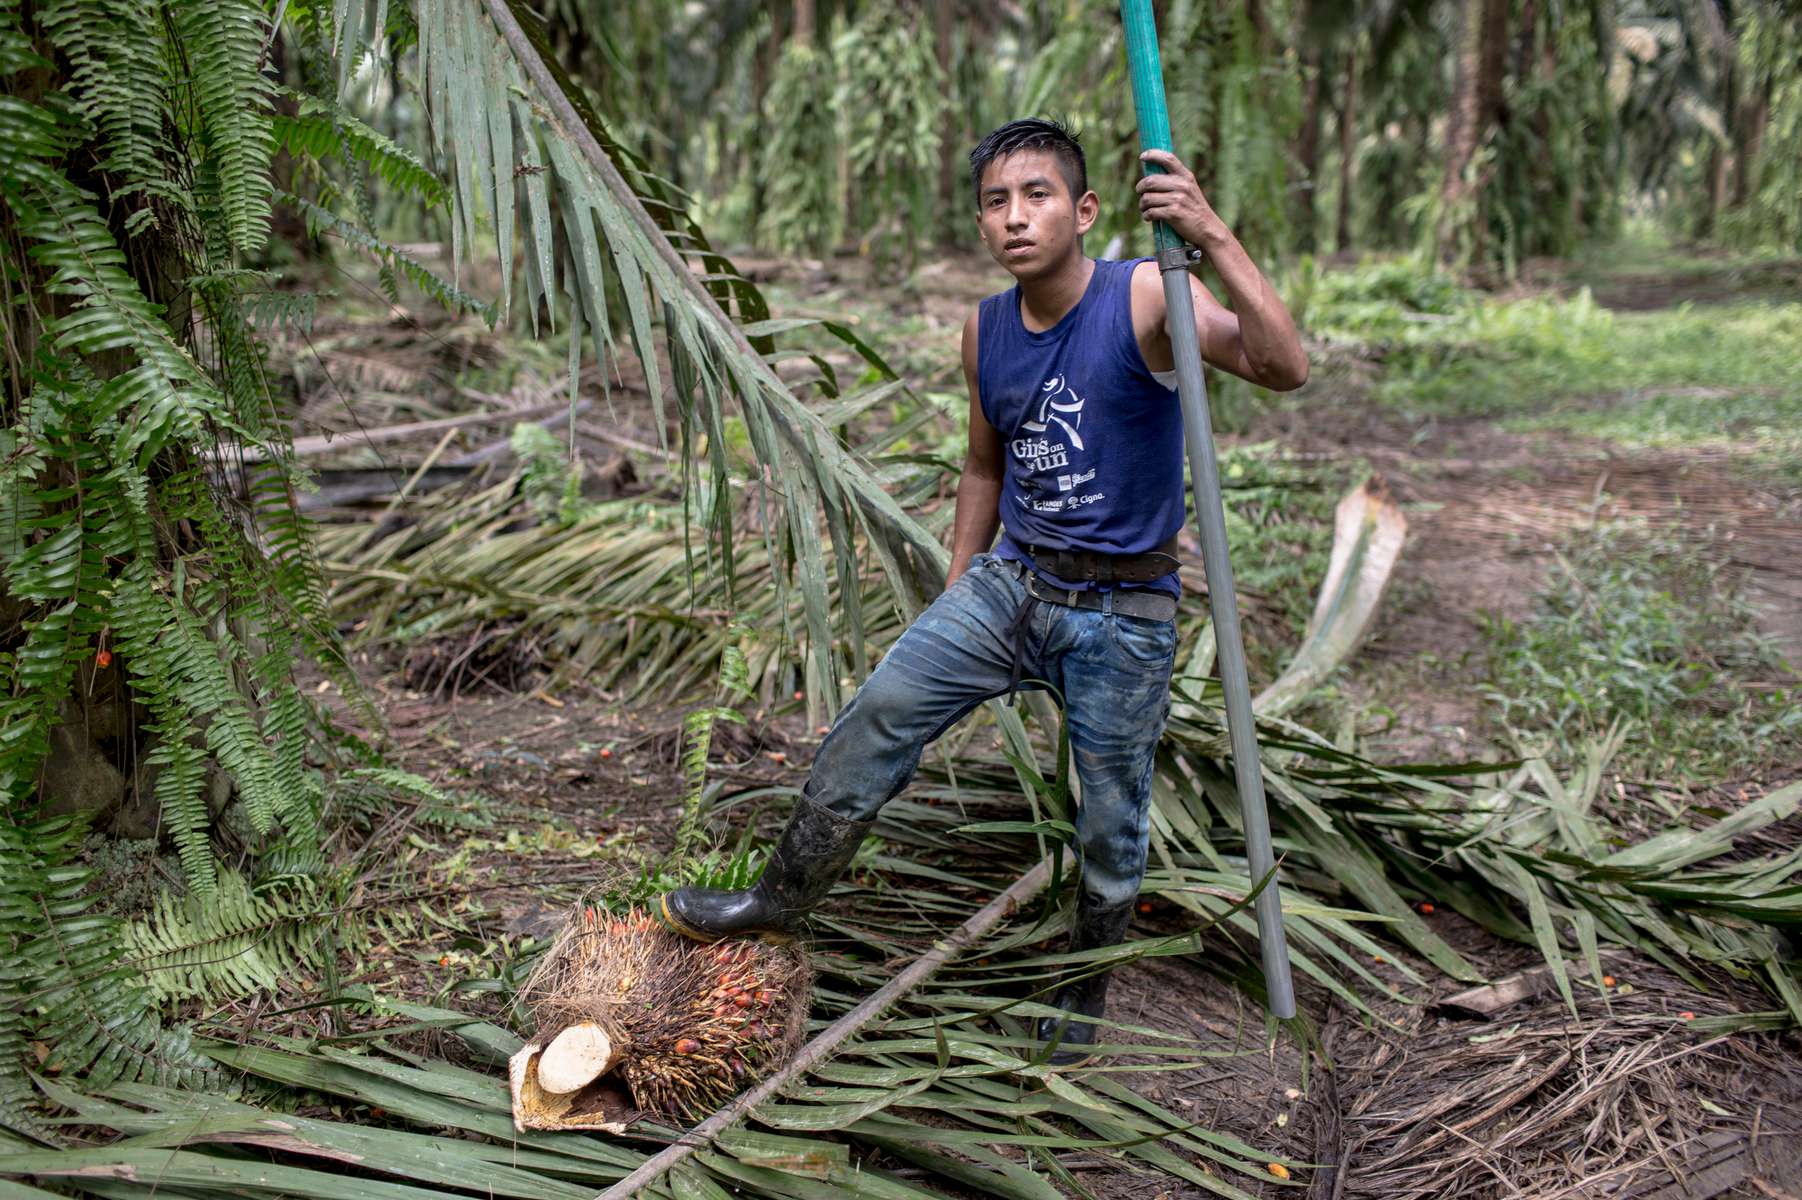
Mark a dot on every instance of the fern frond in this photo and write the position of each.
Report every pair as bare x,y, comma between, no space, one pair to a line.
102,456
62,573
140,630
321,131
63,961
166,396
117,53
229,113
394,779
242,940
320,220
270,312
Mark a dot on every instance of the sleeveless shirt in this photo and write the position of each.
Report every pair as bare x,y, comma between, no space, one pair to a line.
1093,441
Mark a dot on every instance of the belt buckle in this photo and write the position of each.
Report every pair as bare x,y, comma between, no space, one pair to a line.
1034,583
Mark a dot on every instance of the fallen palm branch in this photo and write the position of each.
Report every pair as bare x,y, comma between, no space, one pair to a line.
1527,855
1368,531
611,596
996,1120
1523,853
946,1079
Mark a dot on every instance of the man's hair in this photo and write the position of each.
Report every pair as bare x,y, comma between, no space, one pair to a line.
1032,133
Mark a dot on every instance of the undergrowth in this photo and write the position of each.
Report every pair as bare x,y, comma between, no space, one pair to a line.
1643,628
1718,375
1279,521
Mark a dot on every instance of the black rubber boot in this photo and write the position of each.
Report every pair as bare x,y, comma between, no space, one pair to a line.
814,851
1087,997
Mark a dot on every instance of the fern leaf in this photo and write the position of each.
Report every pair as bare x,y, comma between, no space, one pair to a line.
179,796
422,277
230,111
116,52
92,1010
321,131
241,941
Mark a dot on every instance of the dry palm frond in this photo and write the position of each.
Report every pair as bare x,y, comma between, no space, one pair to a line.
951,1080
610,598
1523,853
521,144
1599,1101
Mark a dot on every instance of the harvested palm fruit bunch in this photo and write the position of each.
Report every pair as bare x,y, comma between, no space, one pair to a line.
634,1020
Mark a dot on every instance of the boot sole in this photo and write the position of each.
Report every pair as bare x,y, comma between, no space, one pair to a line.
675,924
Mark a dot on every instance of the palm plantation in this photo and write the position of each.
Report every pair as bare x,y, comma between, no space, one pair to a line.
630,329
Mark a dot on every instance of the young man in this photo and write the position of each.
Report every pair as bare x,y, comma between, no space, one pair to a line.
1076,452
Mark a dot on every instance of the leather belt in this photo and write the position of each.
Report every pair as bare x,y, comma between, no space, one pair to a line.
1149,606
1104,569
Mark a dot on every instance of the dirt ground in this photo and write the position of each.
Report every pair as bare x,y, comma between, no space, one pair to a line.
1613,1101
1366,1100
1487,508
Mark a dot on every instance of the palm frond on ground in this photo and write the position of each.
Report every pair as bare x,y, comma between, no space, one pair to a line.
950,1082
1515,848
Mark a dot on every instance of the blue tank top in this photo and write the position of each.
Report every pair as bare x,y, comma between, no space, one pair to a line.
1093,442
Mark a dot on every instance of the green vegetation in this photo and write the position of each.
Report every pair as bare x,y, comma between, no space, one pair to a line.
1687,375
1279,519
1717,376
162,595
1478,131
1643,630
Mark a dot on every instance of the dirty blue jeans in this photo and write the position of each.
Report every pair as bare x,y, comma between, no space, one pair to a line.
1112,670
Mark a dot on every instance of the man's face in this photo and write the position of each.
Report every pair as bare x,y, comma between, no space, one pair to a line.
1028,219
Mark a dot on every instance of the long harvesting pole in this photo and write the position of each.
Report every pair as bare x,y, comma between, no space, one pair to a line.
1204,468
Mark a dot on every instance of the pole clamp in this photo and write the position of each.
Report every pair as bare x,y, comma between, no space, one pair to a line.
1178,258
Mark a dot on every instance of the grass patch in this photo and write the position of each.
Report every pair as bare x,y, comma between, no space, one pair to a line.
1647,629
1717,375
1722,376
1644,247
1279,527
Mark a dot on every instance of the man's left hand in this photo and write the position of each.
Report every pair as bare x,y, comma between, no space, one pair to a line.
1175,198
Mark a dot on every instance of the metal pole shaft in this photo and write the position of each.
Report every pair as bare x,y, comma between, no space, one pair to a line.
1204,470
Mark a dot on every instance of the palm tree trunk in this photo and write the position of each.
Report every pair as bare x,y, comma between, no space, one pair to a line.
1348,149
943,20
1307,150
1260,26
1476,103
1748,135
763,71
1719,171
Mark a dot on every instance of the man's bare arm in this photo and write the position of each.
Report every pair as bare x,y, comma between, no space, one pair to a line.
1257,339
979,488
